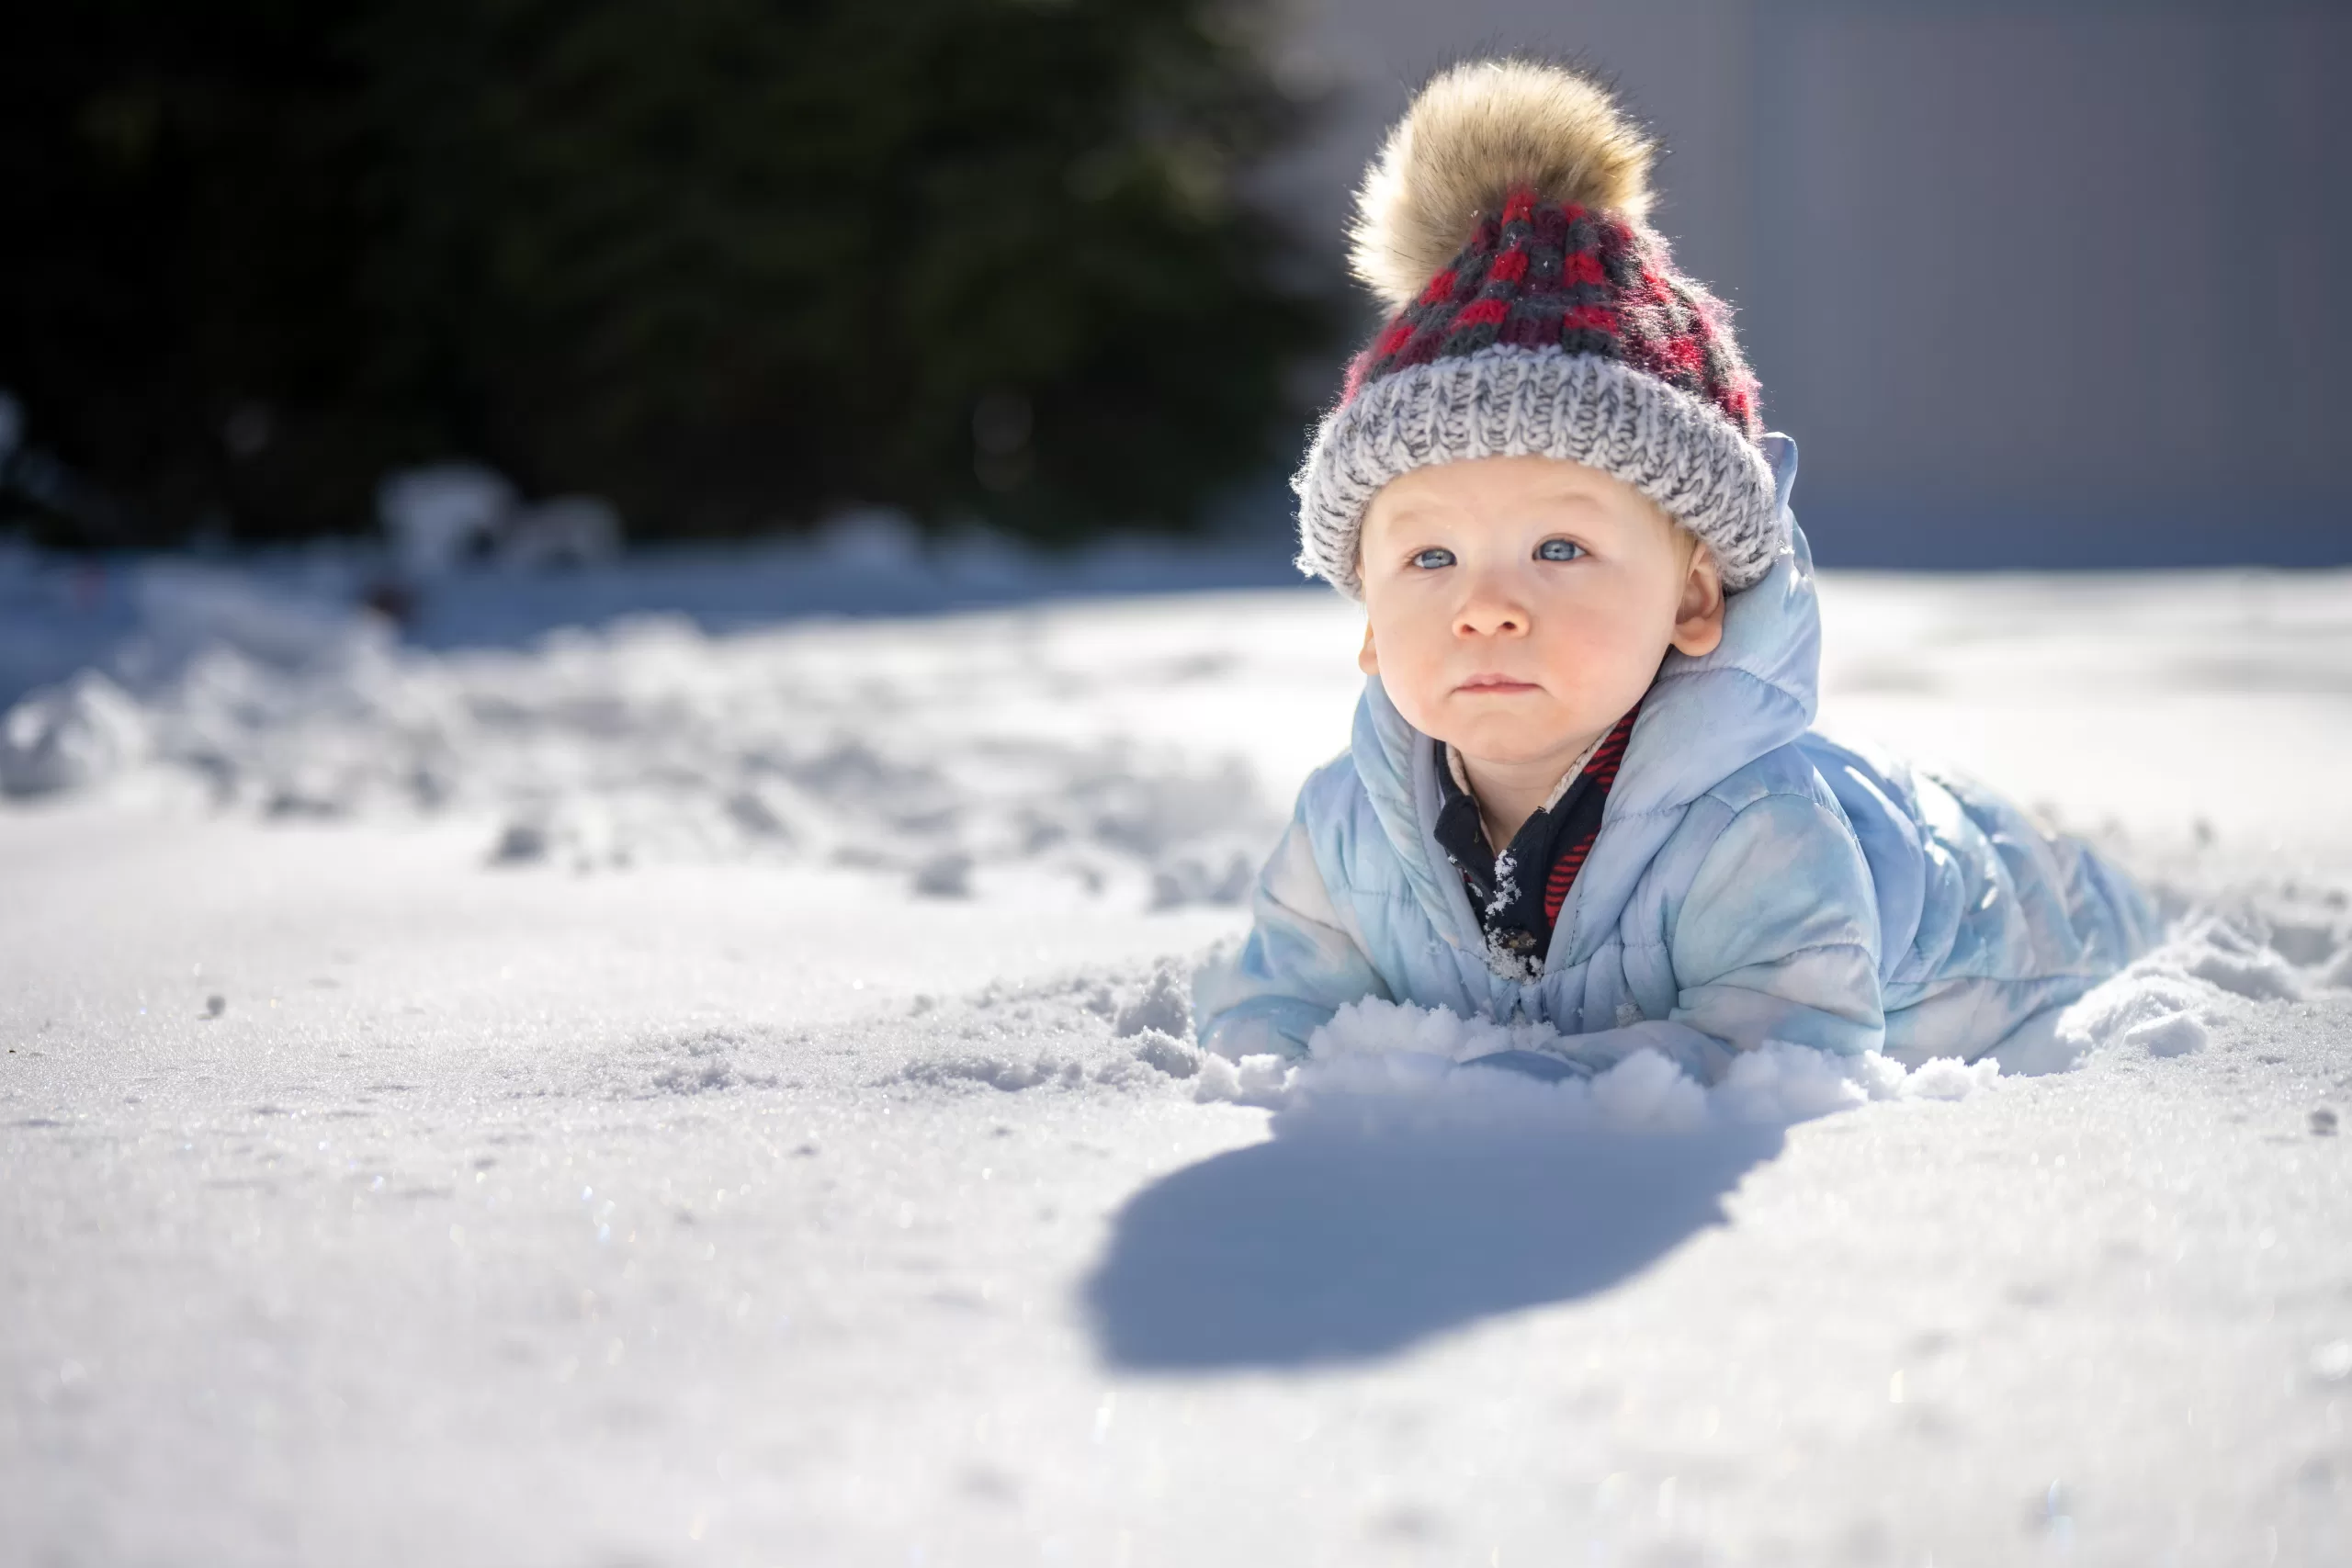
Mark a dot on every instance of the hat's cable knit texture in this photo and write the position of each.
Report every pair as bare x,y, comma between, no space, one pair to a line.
1516,402
1557,331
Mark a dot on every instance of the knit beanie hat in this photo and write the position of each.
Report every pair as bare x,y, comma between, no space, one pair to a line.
1534,314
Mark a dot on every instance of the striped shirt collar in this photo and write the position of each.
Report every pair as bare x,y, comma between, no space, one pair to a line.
1455,765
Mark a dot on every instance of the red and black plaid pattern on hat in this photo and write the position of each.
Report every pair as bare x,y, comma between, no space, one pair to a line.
1541,275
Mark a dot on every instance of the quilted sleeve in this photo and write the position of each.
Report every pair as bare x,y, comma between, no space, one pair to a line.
1303,960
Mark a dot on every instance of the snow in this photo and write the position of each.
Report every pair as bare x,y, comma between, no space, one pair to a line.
441,1122
439,518
1379,1065
435,517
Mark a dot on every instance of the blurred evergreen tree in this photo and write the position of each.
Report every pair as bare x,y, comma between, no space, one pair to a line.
729,263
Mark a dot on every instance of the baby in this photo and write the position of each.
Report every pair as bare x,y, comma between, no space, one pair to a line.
1581,789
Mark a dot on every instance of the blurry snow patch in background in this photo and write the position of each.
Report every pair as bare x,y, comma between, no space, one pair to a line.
211,638
69,736
188,611
439,518
952,753
435,518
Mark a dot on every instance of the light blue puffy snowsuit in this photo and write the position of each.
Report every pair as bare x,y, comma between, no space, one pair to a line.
1751,881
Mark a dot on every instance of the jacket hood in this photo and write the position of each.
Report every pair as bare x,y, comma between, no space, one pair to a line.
1703,720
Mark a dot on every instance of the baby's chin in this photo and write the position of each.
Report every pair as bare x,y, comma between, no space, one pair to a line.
1527,727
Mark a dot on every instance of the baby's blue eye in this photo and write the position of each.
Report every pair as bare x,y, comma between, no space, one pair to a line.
1558,550
1433,560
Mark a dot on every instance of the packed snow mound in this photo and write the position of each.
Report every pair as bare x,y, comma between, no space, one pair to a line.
1092,1031
1381,1065
2254,955
1377,1065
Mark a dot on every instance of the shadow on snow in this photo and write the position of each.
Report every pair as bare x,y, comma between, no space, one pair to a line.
1329,1246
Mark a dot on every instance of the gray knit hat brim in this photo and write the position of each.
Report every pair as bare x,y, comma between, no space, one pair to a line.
1513,402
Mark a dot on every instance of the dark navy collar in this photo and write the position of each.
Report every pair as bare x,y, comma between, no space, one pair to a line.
1517,894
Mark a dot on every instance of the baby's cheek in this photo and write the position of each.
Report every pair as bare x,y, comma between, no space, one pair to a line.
1416,687
1604,658
1418,679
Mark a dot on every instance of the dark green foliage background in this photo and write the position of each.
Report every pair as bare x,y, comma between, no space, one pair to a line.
729,263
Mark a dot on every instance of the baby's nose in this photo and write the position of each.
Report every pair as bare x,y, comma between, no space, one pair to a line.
1490,616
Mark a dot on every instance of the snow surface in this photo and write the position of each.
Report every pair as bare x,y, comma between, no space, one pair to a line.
643,1095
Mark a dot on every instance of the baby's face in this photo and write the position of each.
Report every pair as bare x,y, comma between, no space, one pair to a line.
1518,606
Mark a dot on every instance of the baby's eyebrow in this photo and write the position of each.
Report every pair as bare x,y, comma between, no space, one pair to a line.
1583,499
1407,522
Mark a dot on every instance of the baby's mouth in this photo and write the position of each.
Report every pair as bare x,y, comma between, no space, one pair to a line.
1495,685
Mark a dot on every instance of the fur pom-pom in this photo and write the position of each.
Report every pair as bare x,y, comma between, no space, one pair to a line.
1477,132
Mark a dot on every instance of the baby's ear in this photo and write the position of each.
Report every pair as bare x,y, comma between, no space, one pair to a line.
1698,618
1368,657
